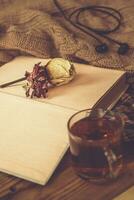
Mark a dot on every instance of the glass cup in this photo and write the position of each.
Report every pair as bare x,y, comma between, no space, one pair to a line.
96,137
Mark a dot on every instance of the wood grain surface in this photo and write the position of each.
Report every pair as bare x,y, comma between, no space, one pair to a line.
65,185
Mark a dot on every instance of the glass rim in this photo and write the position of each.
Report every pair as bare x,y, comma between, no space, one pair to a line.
84,110
80,111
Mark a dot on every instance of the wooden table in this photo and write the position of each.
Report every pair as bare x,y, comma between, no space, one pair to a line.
65,185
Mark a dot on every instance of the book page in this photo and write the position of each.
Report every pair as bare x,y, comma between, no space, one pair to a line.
33,137
89,85
33,132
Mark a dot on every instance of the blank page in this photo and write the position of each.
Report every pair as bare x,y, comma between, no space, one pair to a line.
33,137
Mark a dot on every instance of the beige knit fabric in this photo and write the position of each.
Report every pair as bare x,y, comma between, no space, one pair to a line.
36,27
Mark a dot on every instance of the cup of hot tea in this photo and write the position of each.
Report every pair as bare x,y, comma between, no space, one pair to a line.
96,137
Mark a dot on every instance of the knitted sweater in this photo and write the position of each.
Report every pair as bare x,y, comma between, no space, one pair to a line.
31,27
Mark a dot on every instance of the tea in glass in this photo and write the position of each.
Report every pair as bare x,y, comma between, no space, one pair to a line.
96,144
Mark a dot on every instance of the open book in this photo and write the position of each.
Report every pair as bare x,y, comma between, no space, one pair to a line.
33,133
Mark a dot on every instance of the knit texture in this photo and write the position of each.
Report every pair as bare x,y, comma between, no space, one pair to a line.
37,28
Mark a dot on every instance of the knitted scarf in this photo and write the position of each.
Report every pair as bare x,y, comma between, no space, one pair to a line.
37,28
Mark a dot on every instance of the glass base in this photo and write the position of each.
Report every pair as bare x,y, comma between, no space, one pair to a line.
98,180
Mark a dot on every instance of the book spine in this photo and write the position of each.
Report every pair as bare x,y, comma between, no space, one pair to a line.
110,98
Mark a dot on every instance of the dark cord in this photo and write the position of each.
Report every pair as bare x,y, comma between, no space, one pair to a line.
73,23
75,19
101,9
98,31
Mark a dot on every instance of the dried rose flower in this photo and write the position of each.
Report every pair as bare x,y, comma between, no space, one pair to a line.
56,72
37,85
